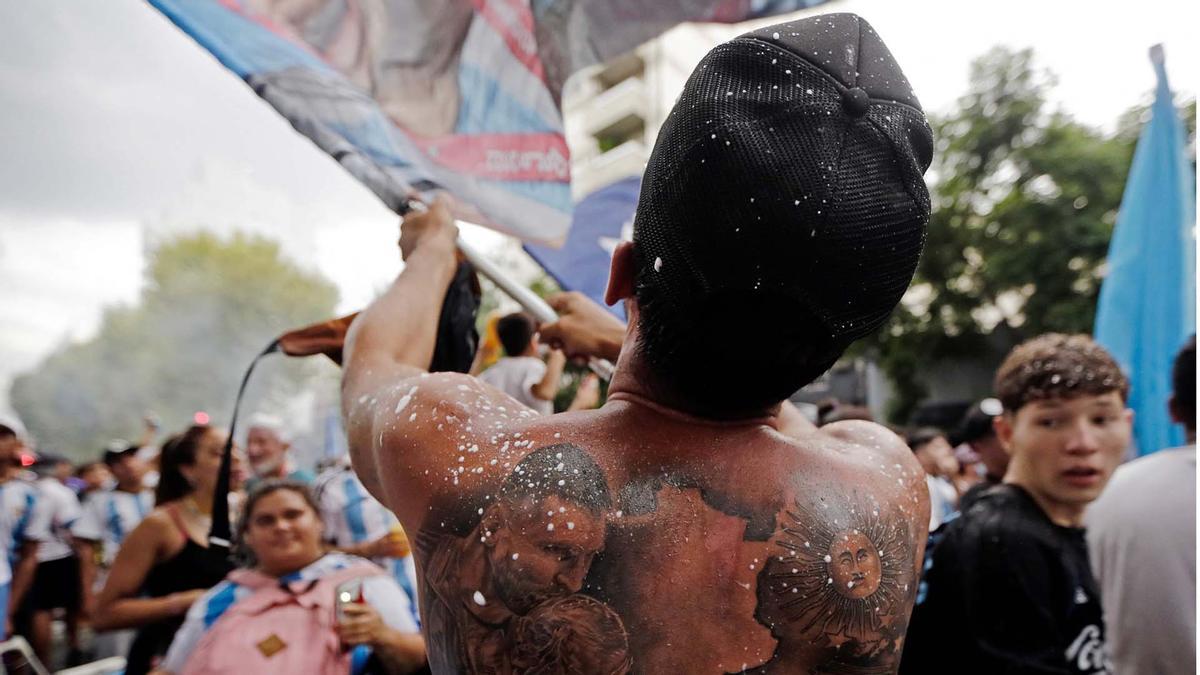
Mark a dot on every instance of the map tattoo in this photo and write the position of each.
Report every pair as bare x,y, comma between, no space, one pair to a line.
841,574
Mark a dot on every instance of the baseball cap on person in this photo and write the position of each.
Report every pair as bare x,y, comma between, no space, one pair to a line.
785,189
116,450
977,422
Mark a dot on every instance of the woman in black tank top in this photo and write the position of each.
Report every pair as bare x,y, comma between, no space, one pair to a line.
163,566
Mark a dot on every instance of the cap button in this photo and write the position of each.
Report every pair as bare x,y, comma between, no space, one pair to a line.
856,101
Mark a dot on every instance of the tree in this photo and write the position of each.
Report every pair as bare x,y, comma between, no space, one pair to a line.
1024,202
207,307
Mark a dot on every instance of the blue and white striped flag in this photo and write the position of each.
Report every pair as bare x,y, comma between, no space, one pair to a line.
415,96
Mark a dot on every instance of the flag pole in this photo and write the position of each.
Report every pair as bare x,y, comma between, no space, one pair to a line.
531,301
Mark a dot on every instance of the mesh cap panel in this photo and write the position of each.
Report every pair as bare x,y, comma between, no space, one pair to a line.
791,177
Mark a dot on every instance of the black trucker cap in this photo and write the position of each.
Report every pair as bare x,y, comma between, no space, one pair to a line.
786,185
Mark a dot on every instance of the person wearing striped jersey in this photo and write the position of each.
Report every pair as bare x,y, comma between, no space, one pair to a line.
20,532
356,523
108,516
56,583
281,532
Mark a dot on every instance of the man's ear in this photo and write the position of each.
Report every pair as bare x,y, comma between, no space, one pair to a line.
1003,424
621,274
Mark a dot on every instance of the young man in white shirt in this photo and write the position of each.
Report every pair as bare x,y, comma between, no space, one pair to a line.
521,373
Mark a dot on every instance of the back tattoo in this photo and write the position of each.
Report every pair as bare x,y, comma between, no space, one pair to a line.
506,583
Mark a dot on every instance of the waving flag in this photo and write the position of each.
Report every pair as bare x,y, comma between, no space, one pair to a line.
414,96
601,220
1147,304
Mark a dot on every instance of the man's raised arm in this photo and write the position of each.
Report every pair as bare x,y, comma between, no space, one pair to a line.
394,338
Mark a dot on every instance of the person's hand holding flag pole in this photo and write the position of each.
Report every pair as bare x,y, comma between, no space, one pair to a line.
534,304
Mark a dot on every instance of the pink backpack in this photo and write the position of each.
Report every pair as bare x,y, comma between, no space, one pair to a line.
276,629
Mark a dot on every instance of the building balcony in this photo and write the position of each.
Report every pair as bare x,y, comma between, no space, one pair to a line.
613,110
591,174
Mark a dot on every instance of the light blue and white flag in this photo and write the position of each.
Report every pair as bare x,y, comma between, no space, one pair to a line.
416,96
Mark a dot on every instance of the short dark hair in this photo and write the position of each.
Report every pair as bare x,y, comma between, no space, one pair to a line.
1183,384
515,331
81,469
843,412
976,423
919,438
701,354
1057,366
563,470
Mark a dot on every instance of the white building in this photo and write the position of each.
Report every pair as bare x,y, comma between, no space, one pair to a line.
613,111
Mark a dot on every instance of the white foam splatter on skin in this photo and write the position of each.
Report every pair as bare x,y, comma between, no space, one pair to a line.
405,400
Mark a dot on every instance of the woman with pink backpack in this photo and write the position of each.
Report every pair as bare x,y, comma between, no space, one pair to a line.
295,608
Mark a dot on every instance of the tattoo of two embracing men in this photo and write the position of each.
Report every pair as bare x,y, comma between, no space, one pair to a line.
513,579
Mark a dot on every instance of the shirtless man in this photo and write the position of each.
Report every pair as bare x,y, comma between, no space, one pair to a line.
692,524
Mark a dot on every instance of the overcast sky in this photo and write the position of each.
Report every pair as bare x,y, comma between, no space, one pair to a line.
116,128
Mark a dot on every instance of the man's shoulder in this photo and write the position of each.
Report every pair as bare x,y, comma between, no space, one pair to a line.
1159,485
433,434
19,488
1177,463
872,439
871,451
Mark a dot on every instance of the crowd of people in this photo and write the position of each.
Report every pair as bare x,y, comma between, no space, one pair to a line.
122,547
1010,574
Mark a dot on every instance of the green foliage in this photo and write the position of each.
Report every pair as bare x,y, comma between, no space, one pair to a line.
608,142
207,307
1024,202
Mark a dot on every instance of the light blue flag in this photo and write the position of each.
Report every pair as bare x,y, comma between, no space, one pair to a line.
1147,304
601,220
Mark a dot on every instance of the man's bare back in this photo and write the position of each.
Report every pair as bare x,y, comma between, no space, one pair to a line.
715,547
693,524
